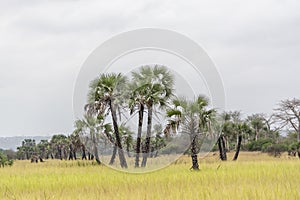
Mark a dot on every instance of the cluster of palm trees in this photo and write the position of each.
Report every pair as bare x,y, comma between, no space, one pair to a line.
148,94
149,91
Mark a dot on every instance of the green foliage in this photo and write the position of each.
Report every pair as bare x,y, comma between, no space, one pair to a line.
257,145
4,161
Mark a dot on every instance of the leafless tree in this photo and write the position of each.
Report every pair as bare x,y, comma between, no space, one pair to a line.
288,114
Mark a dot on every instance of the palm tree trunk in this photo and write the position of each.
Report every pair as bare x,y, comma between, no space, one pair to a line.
74,154
96,155
71,152
221,145
238,147
113,156
148,135
299,131
127,149
195,165
224,150
95,148
139,136
83,157
117,135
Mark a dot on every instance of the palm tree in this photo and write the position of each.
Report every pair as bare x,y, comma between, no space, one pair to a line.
241,129
107,90
59,143
194,119
79,128
91,130
137,101
155,88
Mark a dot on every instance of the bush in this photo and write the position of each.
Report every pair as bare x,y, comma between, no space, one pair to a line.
4,161
265,146
258,145
276,149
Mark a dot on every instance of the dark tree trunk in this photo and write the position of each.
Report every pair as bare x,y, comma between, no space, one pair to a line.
195,165
74,154
299,131
60,153
117,136
71,153
238,147
221,145
83,157
97,155
139,136
148,136
65,154
113,156
128,151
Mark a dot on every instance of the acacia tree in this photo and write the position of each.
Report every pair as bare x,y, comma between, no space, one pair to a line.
193,118
288,114
107,90
155,85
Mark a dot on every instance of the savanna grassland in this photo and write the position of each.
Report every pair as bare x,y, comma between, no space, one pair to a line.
253,176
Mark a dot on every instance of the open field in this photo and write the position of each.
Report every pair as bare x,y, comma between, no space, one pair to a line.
254,176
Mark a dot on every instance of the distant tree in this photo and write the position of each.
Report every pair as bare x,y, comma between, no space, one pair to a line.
194,119
60,145
43,150
257,123
92,129
27,149
288,113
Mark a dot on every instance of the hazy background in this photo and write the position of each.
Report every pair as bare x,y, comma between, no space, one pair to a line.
255,45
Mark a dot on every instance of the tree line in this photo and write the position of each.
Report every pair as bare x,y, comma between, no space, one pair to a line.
150,90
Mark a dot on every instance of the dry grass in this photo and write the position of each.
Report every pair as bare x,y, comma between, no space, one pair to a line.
254,176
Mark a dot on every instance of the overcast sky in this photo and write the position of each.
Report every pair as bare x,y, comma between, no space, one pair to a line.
255,45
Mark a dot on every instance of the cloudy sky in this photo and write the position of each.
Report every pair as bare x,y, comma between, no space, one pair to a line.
255,45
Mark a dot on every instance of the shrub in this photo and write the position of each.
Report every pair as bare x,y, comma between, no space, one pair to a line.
4,161
257,145
276,149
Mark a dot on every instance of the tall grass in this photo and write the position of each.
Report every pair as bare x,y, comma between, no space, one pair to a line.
254,176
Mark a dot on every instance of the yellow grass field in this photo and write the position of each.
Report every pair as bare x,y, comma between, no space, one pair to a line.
253,176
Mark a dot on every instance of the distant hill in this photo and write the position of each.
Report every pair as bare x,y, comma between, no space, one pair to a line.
13,142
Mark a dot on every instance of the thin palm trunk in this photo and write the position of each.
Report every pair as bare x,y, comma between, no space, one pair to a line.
139,136
83,157
117,135
95,149
97,155
224,150
113,156
71,153
148,136
238,147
